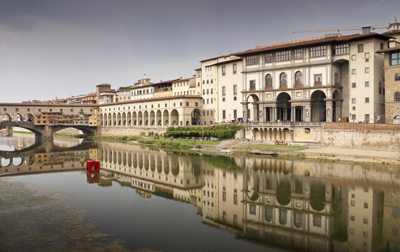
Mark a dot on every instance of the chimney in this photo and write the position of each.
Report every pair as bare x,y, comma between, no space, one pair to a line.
366,29
180,78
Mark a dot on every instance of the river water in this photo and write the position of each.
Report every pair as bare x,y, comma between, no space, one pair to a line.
146,199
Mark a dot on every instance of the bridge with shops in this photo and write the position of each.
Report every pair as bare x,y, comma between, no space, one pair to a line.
22,115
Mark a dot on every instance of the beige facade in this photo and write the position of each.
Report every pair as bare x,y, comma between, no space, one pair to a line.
314,80
155,112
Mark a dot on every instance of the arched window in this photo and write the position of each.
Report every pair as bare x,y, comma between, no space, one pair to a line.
397,96
397,77
299,79
268,81
268,214
283,217
298,219
283,80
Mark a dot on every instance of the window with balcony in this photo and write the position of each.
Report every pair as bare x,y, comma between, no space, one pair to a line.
317,79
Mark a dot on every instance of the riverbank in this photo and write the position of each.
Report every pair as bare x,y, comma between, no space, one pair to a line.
236,146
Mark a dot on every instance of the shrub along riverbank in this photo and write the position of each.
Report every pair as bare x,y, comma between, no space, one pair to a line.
225,131
157,140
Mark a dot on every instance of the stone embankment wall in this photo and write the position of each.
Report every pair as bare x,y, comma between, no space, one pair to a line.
127,131
361,136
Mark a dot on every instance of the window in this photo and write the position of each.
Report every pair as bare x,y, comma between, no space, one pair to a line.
223,114
395,212
252,85
234,89
352,218
317,51
298,220
353,117
209,69
211,91
360,48
208,101
353,71
234,68
187,104
283,56
353,57
224,216
299,54
365,234
268,58
341,49
365,220
235,113
268,214
252,209
299,79
366,205
395,231
367,70
223,70
204,91
353,108
212,80
317,79
283,80
351,230
223,90
397,77
367,84
252,60
395,59
366,99
235,199
204,101
196,104
283,217
366,57
234,219
380,87
337,81
317,221
353,202
208,91
353,101
268,81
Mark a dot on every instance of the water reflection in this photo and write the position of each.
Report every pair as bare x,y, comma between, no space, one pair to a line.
293,204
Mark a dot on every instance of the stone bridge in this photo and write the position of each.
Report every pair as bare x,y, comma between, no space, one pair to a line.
47,131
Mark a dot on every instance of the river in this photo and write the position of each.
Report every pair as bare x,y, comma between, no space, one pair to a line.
147,199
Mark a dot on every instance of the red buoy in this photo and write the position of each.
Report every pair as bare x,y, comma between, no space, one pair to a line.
92,166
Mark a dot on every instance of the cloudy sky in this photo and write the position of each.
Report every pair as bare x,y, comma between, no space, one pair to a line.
59,48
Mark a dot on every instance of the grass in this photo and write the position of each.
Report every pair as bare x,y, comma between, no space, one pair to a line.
277,147
164,142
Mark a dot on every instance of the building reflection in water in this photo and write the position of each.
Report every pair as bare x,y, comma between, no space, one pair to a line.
293,204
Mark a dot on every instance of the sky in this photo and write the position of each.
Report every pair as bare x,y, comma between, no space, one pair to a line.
60,48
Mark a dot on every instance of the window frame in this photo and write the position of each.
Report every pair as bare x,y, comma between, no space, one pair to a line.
283,80
317,80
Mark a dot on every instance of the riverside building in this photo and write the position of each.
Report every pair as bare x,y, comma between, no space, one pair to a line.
324,79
